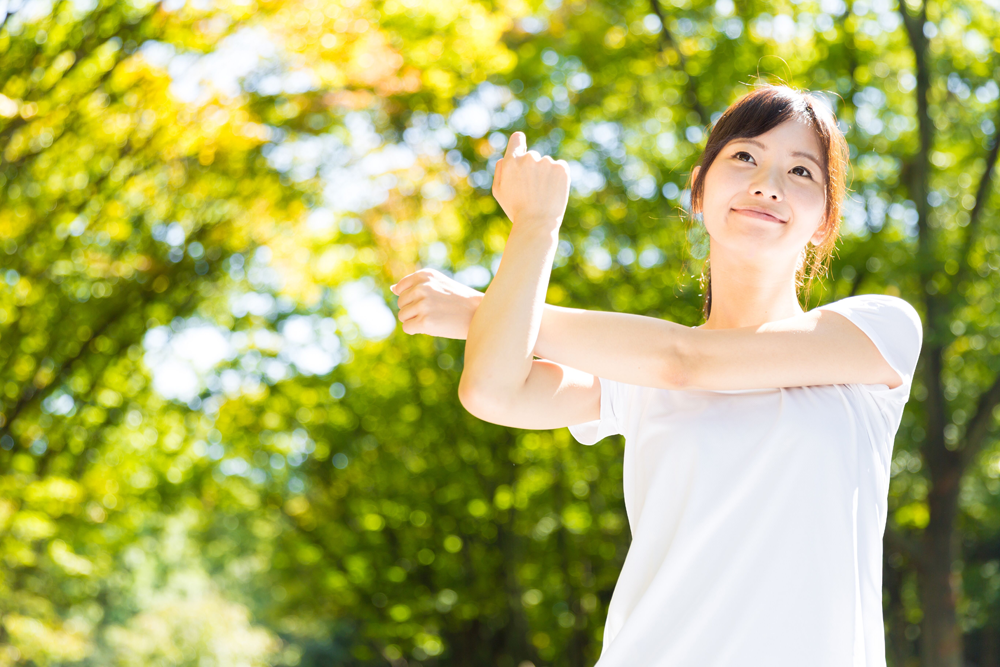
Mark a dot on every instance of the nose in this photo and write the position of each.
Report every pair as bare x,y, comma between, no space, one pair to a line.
768,187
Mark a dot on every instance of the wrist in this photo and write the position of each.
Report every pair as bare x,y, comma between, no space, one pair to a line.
544,225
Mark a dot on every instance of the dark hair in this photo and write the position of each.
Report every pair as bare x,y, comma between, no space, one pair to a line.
757,112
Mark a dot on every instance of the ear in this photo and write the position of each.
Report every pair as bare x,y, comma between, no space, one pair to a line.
819,235
694,174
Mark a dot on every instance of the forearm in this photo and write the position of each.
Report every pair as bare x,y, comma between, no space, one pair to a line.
619,346
504,329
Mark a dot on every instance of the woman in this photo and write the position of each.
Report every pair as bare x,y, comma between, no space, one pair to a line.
757,446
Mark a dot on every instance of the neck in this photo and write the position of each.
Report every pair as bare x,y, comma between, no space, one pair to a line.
749,294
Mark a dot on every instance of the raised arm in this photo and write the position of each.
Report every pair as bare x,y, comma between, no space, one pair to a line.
500,381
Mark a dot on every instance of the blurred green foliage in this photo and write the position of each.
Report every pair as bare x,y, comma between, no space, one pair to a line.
165,169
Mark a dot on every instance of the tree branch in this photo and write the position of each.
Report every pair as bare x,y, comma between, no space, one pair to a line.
982,195
858,279
667,42
138,297
32,393
979,426
914,24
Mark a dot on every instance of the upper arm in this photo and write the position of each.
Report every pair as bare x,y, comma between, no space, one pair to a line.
819,347
553,396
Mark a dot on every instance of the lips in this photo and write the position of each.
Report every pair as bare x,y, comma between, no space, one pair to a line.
760,215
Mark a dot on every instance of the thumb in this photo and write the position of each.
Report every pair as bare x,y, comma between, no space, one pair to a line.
496,174
517,145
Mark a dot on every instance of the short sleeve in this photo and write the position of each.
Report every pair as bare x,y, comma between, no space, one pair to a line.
610,421
895,328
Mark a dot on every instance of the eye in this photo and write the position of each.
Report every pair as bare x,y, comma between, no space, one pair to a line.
737,155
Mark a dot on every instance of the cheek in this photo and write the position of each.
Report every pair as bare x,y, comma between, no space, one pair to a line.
810,219
722,183
810,203
719,190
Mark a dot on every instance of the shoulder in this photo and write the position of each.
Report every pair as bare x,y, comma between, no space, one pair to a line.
891,323
875,307
872,302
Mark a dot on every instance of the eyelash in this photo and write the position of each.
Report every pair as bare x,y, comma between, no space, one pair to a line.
809,173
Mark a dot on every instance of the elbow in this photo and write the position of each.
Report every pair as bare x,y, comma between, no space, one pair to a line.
468,396
479,402
487,403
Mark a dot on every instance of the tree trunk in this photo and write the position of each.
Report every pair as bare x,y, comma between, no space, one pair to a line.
897,646
991,654
941,638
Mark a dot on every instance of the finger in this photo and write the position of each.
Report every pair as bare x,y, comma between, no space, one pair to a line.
405,283
408,313
536,155
516,145
406,298
496,173
412,325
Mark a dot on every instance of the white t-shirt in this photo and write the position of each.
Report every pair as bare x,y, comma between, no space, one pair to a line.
757,515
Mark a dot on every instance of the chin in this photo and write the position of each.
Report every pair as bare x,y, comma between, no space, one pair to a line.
753,245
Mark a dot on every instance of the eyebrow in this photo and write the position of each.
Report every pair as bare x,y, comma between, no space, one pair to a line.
808,156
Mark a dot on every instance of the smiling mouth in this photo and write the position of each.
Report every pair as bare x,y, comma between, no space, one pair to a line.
757,214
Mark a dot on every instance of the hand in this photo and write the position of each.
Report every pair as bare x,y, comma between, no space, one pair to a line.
532,190
432,303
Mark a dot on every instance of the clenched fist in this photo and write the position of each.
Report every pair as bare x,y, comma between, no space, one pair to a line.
432,303
532,190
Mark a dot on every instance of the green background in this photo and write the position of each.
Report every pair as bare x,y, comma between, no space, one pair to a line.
217,195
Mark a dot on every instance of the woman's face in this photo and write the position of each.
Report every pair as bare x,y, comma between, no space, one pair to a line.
765,197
